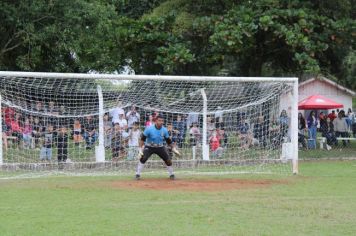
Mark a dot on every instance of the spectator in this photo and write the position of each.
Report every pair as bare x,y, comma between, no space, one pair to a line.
4,135
77,132
107,131
16,129
327,131
37,129
210,125
284,123
244,133
195,135
301,130
149,122
132,117
46,149
353,124
134,137
90,134
275,135
322,118
62,145
122,121
39,107
214,141
219,117
27,134
180,126
173,136
223,136
192,118
260,131
9,115
118,142
154,116
340,127
52,109
349,117
332,115
312,126
114,113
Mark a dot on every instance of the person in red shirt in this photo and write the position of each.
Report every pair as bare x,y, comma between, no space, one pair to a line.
215,147
16,129
9,115
332,115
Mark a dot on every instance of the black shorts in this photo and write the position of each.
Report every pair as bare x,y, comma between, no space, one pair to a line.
160,151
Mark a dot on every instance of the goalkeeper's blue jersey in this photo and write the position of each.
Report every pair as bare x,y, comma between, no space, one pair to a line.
156,137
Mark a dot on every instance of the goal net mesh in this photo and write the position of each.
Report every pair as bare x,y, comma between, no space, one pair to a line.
46,121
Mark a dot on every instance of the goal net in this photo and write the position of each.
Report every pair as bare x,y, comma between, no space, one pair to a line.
54,121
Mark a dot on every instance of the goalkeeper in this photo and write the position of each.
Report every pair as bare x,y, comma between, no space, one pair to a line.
153,141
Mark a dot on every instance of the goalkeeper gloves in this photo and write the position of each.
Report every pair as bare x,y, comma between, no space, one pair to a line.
140,152
175,150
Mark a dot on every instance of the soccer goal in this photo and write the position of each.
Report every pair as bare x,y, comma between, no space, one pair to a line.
94,121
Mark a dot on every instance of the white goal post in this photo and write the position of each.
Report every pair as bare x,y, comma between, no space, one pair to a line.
207,98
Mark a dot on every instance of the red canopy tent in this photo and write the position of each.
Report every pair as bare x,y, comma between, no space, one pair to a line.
318,102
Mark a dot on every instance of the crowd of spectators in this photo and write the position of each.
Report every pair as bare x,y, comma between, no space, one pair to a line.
46,127
336,124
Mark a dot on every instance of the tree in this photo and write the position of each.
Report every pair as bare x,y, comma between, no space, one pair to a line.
73,36
250,38
203,37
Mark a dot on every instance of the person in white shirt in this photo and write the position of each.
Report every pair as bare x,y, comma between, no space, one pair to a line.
192,118
132,117
134,137
340,126
219,118
115,112
121,121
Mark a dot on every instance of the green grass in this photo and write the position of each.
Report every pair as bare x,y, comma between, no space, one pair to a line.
339,151
319,201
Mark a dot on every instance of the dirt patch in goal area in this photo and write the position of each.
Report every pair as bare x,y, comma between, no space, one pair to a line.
209,185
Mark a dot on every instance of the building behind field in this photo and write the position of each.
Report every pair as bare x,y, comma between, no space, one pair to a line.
321,86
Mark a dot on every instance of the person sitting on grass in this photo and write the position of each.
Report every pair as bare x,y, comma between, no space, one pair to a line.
47,139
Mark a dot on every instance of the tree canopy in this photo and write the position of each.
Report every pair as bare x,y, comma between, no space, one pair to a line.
203,37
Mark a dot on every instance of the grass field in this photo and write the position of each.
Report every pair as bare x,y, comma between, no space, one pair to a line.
319,201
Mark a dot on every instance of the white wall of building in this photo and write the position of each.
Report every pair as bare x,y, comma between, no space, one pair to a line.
321,88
